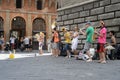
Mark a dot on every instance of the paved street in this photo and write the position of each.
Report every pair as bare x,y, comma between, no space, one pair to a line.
51,68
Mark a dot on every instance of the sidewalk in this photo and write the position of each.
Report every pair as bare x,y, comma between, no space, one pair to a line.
5,55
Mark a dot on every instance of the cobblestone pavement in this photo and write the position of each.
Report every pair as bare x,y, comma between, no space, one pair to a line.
52,68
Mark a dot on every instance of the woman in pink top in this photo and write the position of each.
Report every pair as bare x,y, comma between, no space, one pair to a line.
101,42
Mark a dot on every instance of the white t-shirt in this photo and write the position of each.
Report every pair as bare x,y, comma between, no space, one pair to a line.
12,40
26,41
76,33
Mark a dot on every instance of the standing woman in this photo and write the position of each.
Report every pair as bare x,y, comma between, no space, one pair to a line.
101,42
2,43
55,42
41,43
75,41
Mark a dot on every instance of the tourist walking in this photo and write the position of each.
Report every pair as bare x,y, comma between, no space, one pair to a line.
89,39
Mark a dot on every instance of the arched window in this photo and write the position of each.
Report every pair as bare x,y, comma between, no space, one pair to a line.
18,27
39,24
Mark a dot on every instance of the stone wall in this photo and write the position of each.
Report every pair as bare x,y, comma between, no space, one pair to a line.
65,3
107,10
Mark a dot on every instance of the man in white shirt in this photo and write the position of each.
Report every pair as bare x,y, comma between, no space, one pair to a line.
26,42
12,42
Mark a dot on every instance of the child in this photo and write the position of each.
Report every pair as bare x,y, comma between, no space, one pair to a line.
41,42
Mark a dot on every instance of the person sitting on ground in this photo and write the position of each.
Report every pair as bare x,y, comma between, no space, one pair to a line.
111,45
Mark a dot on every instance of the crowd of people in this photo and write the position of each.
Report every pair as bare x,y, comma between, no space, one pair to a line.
67,44
71,39
24,43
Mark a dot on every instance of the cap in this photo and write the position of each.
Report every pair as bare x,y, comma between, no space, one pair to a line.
88,23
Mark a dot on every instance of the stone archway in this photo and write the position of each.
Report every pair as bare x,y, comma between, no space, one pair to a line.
1,27
18,27
39,25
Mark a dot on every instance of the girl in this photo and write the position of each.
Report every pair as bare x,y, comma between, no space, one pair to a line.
41,43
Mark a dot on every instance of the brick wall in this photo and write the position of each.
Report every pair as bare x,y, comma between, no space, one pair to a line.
107,10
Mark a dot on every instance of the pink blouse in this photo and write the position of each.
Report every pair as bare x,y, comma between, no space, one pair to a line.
102,39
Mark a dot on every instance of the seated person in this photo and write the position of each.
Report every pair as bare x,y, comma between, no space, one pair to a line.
111,45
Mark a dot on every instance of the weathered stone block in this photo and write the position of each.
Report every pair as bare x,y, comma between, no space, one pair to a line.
106,16
72,26
74,15
113,7
104,2
82,37
60,13
91,18
118,34
115,1
96,4
79,20
117,14
112,22
60,23
97,11
95,24
68,22
83,41
76,9
68,11
65,17
84,13
81,25
118,40
59,18
88,6
116,28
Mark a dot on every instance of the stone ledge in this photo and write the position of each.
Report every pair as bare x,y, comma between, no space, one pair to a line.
78,4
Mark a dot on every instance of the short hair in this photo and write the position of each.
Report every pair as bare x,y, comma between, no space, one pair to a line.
113,32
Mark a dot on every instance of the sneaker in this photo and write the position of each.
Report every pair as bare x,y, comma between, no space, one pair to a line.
89,60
